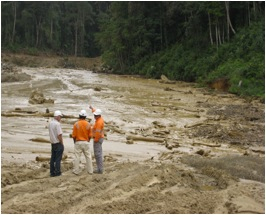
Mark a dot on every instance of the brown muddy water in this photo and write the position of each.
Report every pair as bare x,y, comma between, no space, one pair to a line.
130,105
169,148
126,103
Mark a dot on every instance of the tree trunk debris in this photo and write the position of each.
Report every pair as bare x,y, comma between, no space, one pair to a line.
146,139
42,159
206,144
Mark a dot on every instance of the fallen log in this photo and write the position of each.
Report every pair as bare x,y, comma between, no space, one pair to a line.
42,159
258,149
163,132
159,104
16,114
146,139
250,211
196,124
117,130
206,144
31,114
40,140
167,82
25,111
189,110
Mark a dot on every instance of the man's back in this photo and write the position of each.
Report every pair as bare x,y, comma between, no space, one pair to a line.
82,130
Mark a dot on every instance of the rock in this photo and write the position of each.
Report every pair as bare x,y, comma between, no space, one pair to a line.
168,89
97,89
203,152
220,84
37,97
165,80
170,144
200,152
50,101
130,141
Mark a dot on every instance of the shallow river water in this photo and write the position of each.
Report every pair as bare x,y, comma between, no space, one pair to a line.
130,104
125,101
211,159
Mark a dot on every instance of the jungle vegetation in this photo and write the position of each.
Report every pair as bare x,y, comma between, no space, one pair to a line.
188,41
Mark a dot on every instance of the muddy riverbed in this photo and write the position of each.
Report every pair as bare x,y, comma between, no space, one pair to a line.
169,148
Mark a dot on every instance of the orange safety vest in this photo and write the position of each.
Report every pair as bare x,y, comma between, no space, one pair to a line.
82,130
98,128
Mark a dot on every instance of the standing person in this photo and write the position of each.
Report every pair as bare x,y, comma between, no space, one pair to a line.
81,135
57,145
98,137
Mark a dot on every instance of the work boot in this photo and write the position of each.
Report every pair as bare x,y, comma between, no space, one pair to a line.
98,172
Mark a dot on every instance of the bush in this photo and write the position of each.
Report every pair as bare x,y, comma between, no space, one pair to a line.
240,61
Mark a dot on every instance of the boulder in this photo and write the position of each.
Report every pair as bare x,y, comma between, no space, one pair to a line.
37,97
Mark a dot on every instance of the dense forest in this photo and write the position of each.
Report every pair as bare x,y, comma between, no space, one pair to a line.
190,41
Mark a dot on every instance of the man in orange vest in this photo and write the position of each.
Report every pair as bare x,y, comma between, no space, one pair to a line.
98,137
81,135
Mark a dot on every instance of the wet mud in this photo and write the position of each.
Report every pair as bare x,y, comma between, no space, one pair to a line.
170,147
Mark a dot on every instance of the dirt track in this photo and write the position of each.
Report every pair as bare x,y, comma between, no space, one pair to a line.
211,159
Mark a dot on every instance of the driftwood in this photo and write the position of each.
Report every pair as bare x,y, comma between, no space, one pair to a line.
109,158
17,114
250,212
40,140
189,110
206,144
18,110
258,149
196,124
37,114
162,132
158,124
42,159
168,89
146,139
167,82
117,130
159,104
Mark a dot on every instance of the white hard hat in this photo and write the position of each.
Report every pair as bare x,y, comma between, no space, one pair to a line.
83,113
97,112
58,113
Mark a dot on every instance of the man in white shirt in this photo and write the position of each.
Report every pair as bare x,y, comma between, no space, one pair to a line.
57,146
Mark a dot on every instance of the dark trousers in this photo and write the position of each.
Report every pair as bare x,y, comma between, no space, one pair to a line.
56,157
98,154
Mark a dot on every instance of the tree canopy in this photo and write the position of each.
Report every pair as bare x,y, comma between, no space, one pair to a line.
189,41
